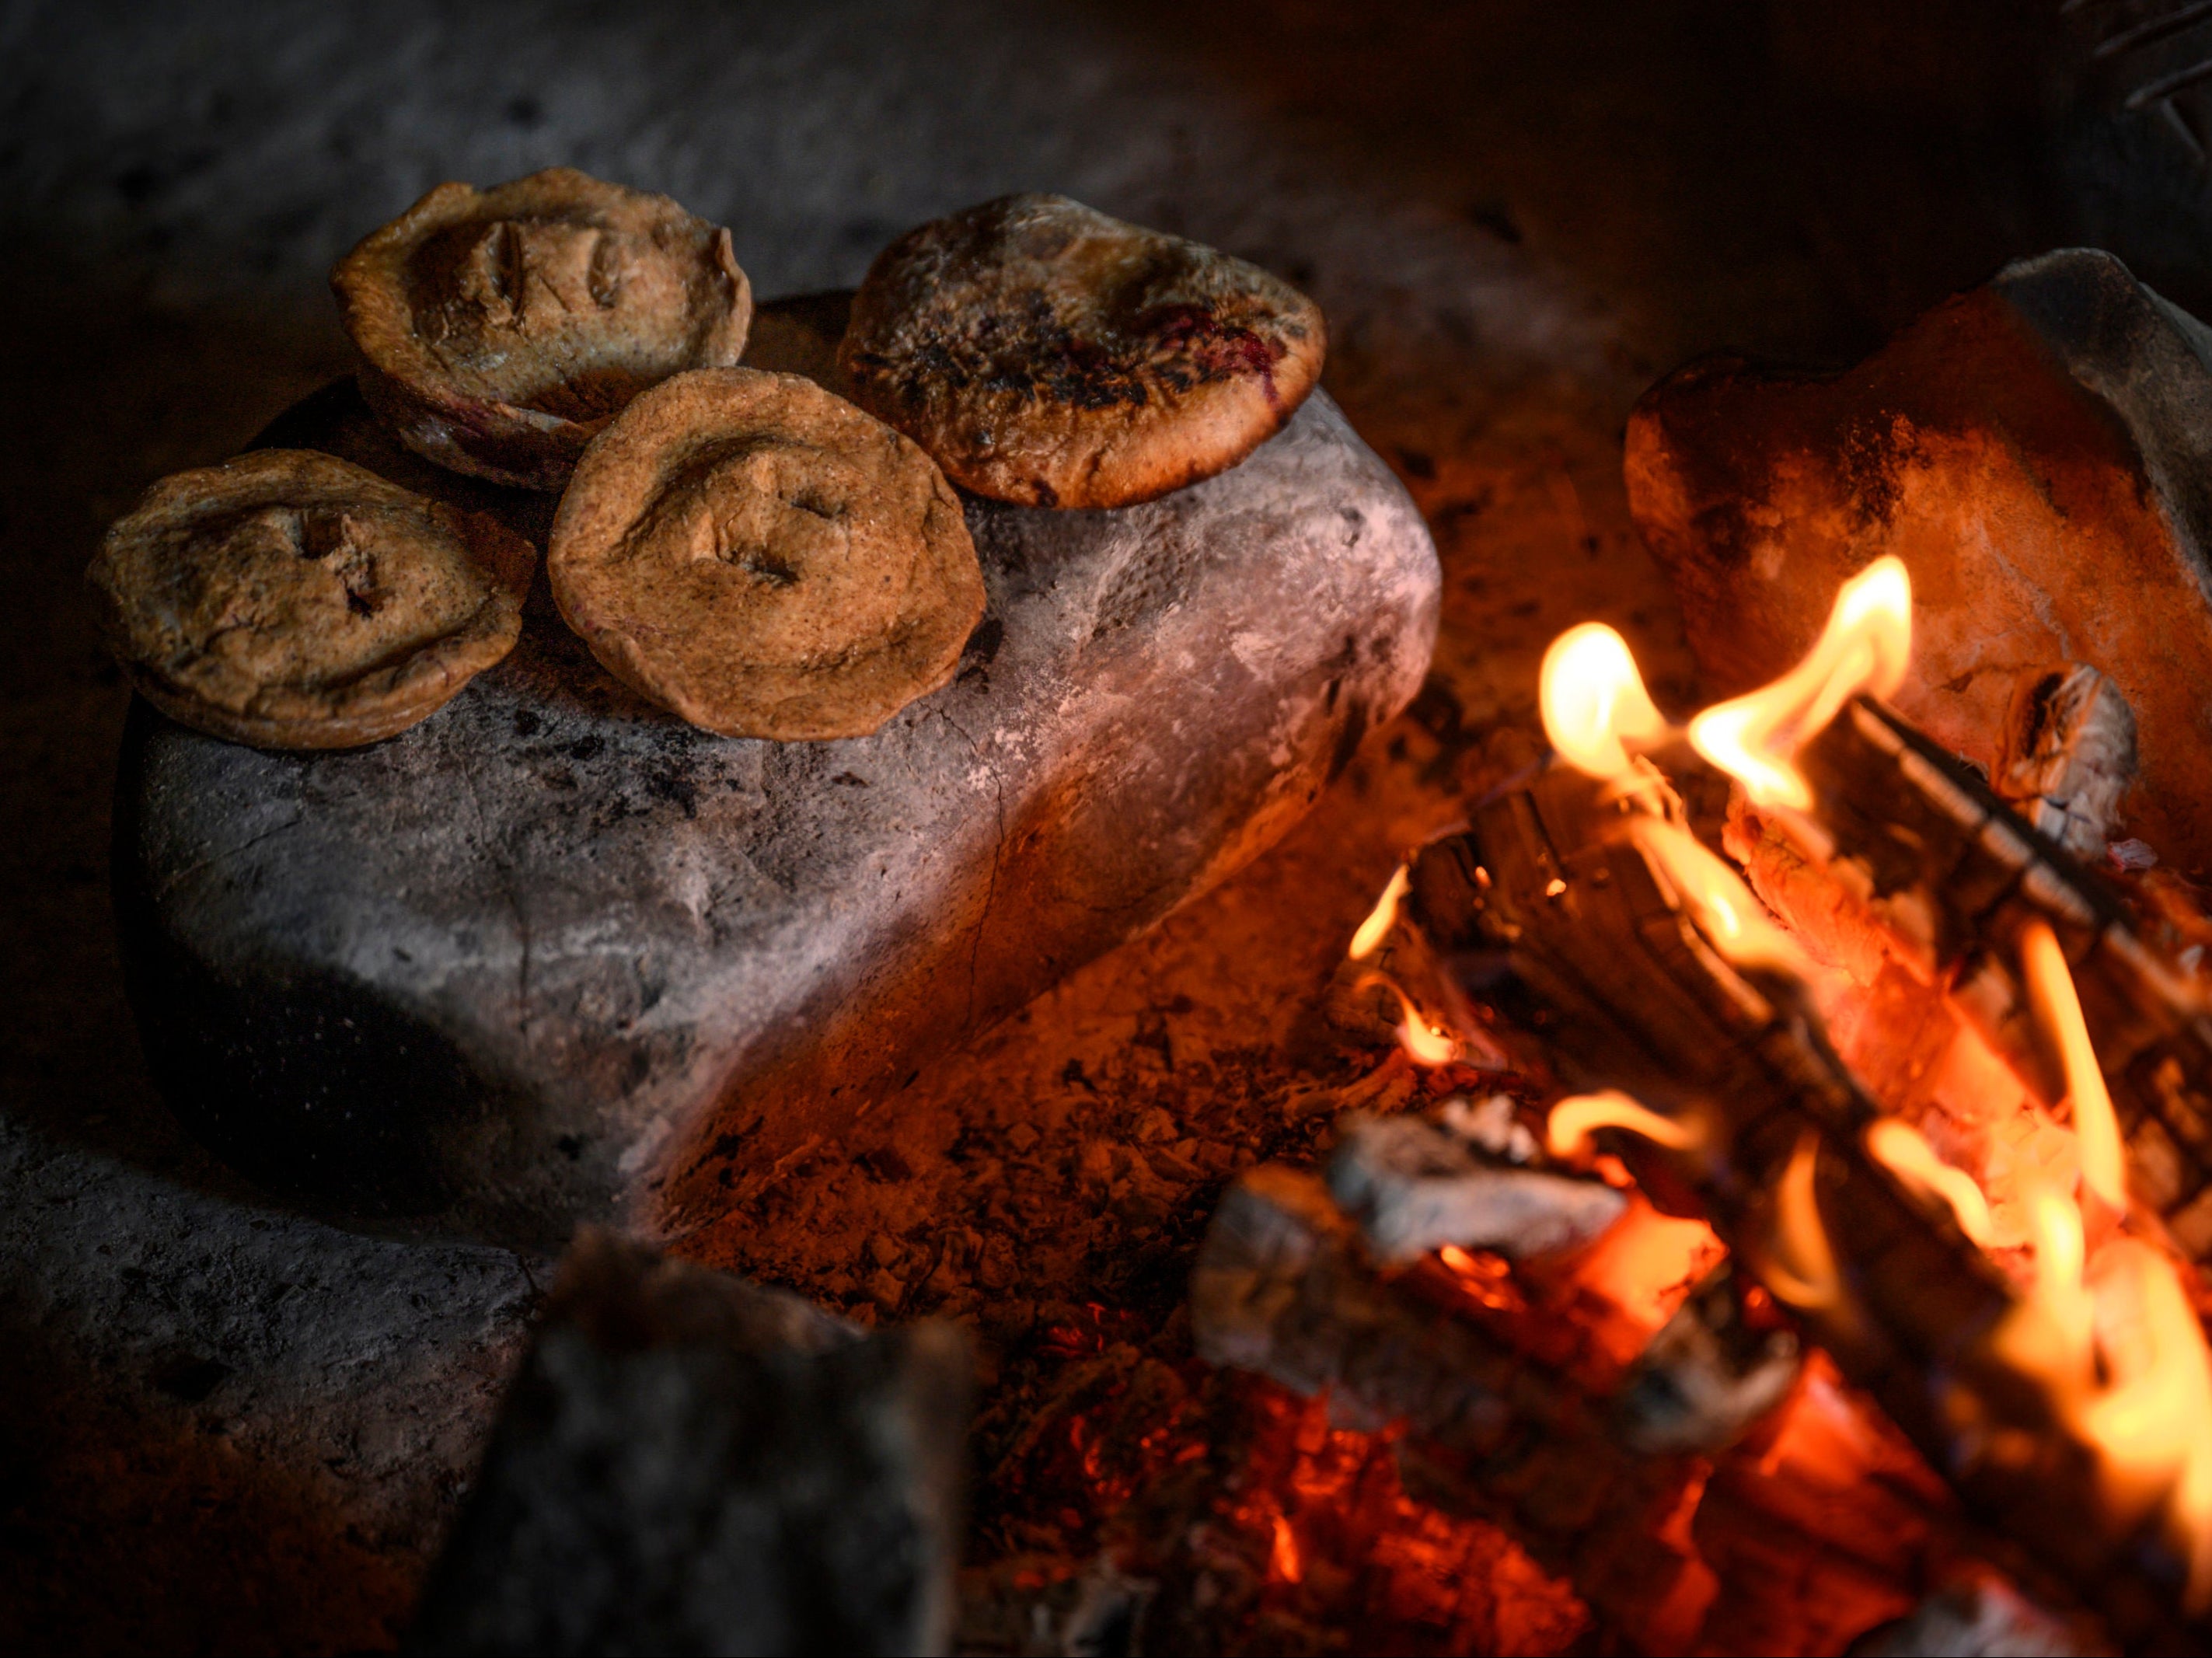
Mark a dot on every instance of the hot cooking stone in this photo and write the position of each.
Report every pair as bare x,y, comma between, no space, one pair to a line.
555,955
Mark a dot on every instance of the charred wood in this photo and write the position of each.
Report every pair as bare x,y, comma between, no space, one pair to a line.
1565,938
1713,1369
1414,1187
1953,875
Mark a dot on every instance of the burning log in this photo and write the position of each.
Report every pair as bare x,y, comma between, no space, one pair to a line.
690,1463
1414,1187
1564,917
1283,1287
1956,882
1821,1535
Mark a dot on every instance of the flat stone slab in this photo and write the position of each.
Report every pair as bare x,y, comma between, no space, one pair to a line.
554,956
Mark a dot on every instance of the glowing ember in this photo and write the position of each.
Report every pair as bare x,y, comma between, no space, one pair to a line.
1376,926
1864,648
1912,1160
1567,1131
1594,701
2058,1009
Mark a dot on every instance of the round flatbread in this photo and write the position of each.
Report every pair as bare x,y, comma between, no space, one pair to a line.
764,559
292,600
1045,354
502,329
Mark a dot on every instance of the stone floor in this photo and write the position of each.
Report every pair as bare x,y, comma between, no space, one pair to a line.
229,1426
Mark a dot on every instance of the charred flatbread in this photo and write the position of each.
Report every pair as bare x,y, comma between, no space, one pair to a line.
1046,353
764,559
501,328
292,600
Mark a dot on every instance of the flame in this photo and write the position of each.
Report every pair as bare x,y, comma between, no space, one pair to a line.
1593,703
1567,1131
1716,898
2058,1010
1803,1271
2153,1424
1425,1044
1907,1155
1864,648
1376,926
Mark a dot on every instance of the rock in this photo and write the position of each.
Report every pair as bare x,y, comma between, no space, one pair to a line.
2039,453
554,955
688,1463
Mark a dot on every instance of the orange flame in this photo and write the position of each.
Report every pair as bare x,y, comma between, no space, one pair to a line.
1426,1044
1907,1155
2153,1422
1865,647
1803,1271
1376,926
1593,703
1723,907
1567,1131
2058,1010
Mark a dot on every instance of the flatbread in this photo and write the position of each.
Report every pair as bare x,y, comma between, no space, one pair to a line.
502,329
1045,354
292,600
764,559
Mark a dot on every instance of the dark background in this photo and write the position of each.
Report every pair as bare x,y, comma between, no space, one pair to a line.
1516,213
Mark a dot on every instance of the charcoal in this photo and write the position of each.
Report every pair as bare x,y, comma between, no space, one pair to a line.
1414,1187
688,1463
1709,1373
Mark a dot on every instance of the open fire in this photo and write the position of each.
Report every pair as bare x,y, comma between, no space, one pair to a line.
1964,1234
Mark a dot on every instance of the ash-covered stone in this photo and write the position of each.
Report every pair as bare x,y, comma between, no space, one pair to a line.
1708,1374
1414,1187
688,1463
554,955
2038,450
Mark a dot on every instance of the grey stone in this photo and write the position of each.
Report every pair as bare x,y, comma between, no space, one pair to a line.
688,1463
530,962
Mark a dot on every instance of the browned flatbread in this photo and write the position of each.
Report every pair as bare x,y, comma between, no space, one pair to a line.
292,600
1046,353
502,329
764,559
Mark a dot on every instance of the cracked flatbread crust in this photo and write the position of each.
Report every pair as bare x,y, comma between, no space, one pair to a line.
502,329
1046,353
292,600
764,559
